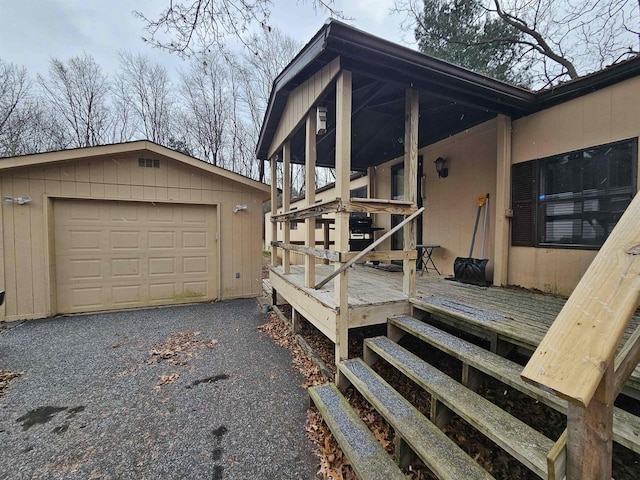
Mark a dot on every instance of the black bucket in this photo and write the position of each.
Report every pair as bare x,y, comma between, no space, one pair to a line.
470,270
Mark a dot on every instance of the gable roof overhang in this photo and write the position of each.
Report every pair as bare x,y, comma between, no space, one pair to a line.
134,147
452,99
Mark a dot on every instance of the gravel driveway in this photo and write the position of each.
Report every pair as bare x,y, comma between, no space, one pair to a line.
141,395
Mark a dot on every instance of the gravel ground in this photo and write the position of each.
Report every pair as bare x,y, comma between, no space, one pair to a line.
88,404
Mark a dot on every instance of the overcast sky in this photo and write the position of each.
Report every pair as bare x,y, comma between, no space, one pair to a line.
33,31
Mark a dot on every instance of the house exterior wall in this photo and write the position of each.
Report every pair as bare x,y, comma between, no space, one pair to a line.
451,203
26,249
300,233
601,117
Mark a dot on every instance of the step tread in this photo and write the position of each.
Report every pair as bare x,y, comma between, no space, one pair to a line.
368,459
437,450
526,444
626,426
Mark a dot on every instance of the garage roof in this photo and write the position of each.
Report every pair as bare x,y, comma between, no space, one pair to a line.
124,148
452,98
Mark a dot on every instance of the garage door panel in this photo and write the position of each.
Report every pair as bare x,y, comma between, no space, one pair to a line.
162,292
125,268
192,240
161,240
195,265
127,254
162,266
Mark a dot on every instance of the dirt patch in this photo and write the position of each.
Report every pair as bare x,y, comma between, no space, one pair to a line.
179,347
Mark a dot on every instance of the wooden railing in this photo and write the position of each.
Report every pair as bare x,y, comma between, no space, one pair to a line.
576,359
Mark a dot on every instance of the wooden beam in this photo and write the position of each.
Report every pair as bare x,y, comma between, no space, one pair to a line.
503,201
286,203
315,210
589,434
368,249
375,205
580,345
310,196
274,210
343,173
325,254
381,256
412,107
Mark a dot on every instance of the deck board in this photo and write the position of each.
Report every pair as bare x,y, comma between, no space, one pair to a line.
523,316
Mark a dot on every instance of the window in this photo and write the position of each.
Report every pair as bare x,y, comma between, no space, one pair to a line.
573,199
319,224
293,225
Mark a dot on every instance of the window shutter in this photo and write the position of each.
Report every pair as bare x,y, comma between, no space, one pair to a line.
522,201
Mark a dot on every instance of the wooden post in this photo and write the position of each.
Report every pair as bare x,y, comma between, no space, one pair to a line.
590,432
325,241
286,203
343,171
274,211
410,186
503,201
310,196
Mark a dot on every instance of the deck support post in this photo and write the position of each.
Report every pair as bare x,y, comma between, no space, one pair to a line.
310,196
503,201
343,172
286,202
590,432
274,211
296,320
412,107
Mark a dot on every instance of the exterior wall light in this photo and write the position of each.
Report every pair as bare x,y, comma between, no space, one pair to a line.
321,120
237,208
19,200
443,171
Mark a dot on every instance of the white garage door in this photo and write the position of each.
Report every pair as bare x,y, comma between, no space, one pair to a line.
113,255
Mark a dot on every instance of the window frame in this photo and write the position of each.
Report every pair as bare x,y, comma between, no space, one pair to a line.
538,209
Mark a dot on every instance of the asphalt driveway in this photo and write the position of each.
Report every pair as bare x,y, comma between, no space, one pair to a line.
143,395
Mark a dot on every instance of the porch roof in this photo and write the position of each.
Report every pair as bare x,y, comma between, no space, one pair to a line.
452,98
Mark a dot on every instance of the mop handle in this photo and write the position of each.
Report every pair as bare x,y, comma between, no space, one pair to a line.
484,226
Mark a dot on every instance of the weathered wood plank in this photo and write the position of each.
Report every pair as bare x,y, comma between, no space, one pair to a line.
411,116
286,202
367,457
310,196
435,449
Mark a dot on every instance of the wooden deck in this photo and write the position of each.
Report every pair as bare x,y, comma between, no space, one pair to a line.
502,316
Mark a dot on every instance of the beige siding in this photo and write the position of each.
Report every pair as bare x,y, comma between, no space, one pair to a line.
27,237
300,101
450,203
608,115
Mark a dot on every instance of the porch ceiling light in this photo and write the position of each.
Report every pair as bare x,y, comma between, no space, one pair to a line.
443,171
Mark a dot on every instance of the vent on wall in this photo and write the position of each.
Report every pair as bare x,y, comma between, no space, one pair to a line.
149,162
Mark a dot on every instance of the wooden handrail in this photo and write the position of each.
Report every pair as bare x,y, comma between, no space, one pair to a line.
368,249
581,343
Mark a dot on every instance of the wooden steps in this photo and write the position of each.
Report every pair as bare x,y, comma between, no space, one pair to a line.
626,427
369,460
435,449
526,444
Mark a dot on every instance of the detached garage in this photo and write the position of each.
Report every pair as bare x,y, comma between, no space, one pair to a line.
125,225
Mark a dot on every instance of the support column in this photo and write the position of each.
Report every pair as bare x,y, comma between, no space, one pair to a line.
410,186
343,171
286,203
590,432
274,210
310,196
503,201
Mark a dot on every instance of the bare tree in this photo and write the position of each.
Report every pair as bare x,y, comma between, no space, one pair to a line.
200,25
143,95
560,40
76,94
206,115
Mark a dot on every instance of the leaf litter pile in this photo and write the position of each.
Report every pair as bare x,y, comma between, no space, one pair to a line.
334,465
177,349
5,379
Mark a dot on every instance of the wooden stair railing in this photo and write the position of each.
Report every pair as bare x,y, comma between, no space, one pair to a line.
576,358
